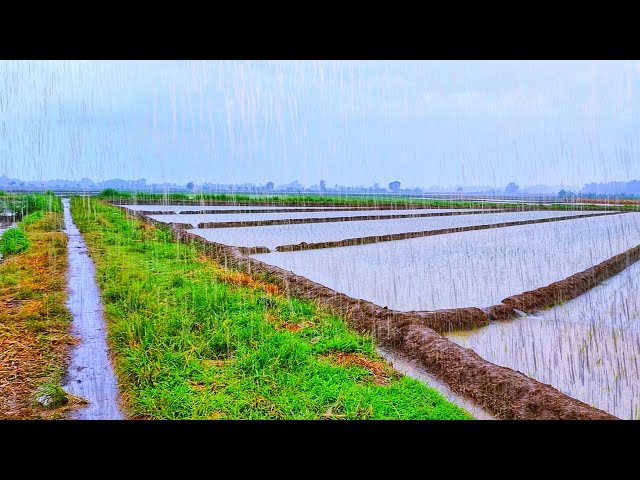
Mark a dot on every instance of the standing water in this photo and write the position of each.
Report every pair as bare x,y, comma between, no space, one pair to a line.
90,374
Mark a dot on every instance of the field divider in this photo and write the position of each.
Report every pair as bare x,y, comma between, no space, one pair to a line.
294,221
506,393
426,233
564,290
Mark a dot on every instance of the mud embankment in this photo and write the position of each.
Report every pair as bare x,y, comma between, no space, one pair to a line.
426,233
564,290
504,392
293,221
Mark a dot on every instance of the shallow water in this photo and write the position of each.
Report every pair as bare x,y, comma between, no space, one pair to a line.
588,348
475,268
90,373
412,370
271,236
195,219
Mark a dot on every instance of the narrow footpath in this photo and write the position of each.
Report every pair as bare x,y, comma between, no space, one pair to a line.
90,373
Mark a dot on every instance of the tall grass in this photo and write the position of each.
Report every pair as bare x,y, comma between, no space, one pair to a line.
193,340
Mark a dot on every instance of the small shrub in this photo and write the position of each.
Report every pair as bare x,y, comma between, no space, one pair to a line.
13,241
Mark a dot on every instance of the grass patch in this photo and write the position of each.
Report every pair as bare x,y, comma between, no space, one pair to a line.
34,322
194,340
13,241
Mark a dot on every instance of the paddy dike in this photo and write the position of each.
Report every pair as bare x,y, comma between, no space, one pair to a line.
504,392
427,233
294,221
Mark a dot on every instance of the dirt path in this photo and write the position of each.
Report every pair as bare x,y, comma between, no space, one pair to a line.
90,373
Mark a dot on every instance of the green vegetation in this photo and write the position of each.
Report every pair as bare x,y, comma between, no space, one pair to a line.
193,340
115,196
13,241
24,204
34,322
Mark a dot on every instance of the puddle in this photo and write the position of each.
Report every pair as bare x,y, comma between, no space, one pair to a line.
90,373
412,370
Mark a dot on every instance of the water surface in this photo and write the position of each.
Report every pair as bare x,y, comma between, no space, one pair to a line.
271,236
475,268
588,348
90,374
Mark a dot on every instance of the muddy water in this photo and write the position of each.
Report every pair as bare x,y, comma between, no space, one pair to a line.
588,348
477,268
413,370
90,373
271,236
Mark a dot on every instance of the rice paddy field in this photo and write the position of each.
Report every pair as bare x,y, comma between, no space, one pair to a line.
587,347
320,240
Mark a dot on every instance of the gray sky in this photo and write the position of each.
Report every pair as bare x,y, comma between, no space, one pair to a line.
423,123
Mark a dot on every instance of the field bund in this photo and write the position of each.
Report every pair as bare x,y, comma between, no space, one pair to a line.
327,235
476,268
505,392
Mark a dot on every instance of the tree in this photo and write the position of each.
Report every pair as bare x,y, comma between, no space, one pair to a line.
270,186
323,186
190,186
394,186
512,188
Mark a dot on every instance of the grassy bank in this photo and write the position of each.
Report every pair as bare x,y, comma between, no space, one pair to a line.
114,196
193,340
34,321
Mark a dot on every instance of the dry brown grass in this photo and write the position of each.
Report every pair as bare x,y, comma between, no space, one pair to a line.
34,322
381,372
239,278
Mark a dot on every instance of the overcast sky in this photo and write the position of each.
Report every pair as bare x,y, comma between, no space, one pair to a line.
422,123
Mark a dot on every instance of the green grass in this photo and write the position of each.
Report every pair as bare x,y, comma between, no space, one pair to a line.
25,204
192,340
13,241
113,196
34,322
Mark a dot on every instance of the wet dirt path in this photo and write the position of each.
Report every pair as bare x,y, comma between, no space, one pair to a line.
90,373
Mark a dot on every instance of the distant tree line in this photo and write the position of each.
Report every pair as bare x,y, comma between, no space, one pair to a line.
619,189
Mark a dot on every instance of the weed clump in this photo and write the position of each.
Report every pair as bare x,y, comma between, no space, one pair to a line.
13,241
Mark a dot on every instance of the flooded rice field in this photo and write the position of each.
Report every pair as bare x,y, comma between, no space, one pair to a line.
272,236
476,268
196,219
588,348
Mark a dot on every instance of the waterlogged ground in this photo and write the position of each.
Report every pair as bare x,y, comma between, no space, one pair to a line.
476,268
271,236
195,219
90,374
588,348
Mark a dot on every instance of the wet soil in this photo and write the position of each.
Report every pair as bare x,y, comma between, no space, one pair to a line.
90,374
